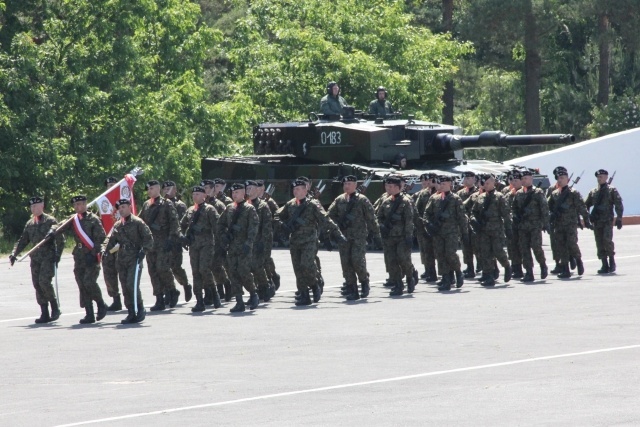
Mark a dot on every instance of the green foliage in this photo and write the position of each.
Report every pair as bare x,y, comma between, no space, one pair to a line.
622,113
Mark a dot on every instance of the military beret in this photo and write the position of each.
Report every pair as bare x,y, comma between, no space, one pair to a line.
79,198
152,182
35,199
349,178
424,176
561,173
298,183
601,172
110,180
219,181
250,182
393,180
198,189
207,182
527,172
168,184
558,169
123,202
443,178
237,186
260,182
516,174
467,174
303,178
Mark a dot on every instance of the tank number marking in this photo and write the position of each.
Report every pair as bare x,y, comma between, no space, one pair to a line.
331,138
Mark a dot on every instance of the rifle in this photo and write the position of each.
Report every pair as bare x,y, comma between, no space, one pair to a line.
291,225
557,207
611,178
478,224
233,227
434,227
384,228
362,188
134,172
577,180
346,219
268,193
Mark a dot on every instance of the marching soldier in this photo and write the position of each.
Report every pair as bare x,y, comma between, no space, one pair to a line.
395,218
468,246
109,271
169,193
354,214
44,260
198,225
565,205
269,265
491,221
135,240
531,217
303,218
237,230
219,263
446,222
161,217
513,244
89,235
218,191
263,241
425,241
604,199
557,269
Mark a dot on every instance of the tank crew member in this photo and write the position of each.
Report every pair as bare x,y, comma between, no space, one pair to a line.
446,222
513,244
135,240
237,230
491,221
169,191
531,217
89,236
400,161
604,199
219,263
353,212
109,271
469,247
332,103
303,218
565,204
269,265
44,260
395,218
380,107
198,225
264,240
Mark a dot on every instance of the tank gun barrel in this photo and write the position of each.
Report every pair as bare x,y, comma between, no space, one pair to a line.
490,139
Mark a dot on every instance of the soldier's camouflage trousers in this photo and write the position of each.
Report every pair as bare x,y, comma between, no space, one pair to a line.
603,233
200,260
159,263
354,261
531,240
240,272
220,274
42,272
398,257
446,246
257,268
126,273
566,244
269,265
110,274
513,247
176,267
87,280
427,254
304,265
491,246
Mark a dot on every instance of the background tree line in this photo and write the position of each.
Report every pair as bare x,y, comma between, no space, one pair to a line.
91,88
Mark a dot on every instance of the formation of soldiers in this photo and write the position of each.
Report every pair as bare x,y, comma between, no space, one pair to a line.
229,239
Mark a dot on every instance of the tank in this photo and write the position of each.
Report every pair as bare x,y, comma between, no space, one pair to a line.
326,149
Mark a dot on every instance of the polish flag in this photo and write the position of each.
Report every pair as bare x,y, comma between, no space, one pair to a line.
106,204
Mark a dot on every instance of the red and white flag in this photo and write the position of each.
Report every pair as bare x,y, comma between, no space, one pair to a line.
106,204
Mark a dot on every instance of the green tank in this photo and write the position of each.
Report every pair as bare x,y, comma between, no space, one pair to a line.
327,148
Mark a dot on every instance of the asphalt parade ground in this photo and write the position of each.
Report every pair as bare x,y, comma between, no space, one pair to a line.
555,352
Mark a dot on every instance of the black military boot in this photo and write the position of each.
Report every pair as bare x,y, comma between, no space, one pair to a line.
89,316
102,309
167,298
508,272
459,279
159,305
496,270
221,293
199,307
445,283
365,289
276,280
271,290
572,263
142,313
188,293
254,301
317,293
346,289
544,271
416,277
470,272
411,284
239,307
517,271
117,304
389,283
397,290
424,275
557,269
489,282
131,317
565,273
605,266
432,276
174,295
44,315
55,311
228,295
217,303
304,299
612,264
208,296
528,276
355,293
580,266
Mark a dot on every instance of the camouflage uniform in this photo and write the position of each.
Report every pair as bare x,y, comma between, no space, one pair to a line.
176,255
239,224
468,246
224,198
531,215
380,108
219,264
133,235
492,217
43,260
263,241
513,244
110,275
604,200
425,241
473,237
269,265
445,219
332,105
356,218
396,229
198,225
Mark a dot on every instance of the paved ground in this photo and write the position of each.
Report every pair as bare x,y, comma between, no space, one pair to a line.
553,352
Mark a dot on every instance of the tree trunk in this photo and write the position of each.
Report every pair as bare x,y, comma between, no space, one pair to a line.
447,96
605,59
532,66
